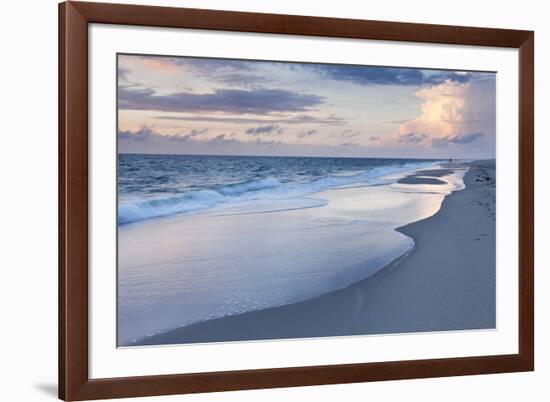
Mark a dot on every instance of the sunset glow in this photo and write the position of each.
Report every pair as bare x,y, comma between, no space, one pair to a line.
217,106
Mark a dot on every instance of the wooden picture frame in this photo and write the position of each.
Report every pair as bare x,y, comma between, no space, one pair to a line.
74,381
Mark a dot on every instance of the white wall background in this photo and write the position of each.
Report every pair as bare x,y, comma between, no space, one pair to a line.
28,199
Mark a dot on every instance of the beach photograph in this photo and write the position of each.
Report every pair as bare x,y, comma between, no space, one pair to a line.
270,200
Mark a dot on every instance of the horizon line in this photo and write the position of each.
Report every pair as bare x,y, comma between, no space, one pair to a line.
300,156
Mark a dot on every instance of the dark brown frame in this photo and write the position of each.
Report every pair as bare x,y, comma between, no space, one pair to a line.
74,17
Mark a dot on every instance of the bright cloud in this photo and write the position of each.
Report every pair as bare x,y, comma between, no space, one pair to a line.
441,111
447,117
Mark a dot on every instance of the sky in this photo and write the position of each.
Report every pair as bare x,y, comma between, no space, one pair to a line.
183,105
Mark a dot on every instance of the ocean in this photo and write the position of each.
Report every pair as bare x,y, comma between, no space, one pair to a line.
154,186
202,237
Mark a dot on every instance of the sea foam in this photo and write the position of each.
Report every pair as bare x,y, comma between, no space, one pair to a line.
156,204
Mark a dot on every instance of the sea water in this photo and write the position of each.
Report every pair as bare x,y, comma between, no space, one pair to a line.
201,237
152,186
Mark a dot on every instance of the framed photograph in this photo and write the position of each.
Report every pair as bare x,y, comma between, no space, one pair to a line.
259,200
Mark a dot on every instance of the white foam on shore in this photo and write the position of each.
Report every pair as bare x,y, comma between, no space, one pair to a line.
268,189
190,268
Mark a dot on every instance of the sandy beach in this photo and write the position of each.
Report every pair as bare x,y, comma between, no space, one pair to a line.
447,281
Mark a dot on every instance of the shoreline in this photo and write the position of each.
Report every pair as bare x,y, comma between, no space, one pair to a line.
423,290
222,262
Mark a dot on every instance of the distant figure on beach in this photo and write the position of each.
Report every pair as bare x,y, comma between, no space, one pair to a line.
450,160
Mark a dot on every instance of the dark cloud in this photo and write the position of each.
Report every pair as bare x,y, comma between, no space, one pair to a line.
346,134
242,80
149,136
460,139
221,139
443,76
350,144
248,72
146,134
257,100
211,65
143,134
231,72
196,132
369,75
298,119
401,121
413,138
260,141
146,140
265,129
308,133
465,138
419,138
122,73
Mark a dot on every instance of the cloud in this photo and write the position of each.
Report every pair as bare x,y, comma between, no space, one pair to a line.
441,111
196,132
265,129
452,114
372,75
439,142
249,72
147,140
242,80
230,72
308,133
122,73
213,64
400,121
221,139
257,100
413,138
465,138
297,119
457,139
260,141
346,134
142,135
146,134
185,93
455,111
